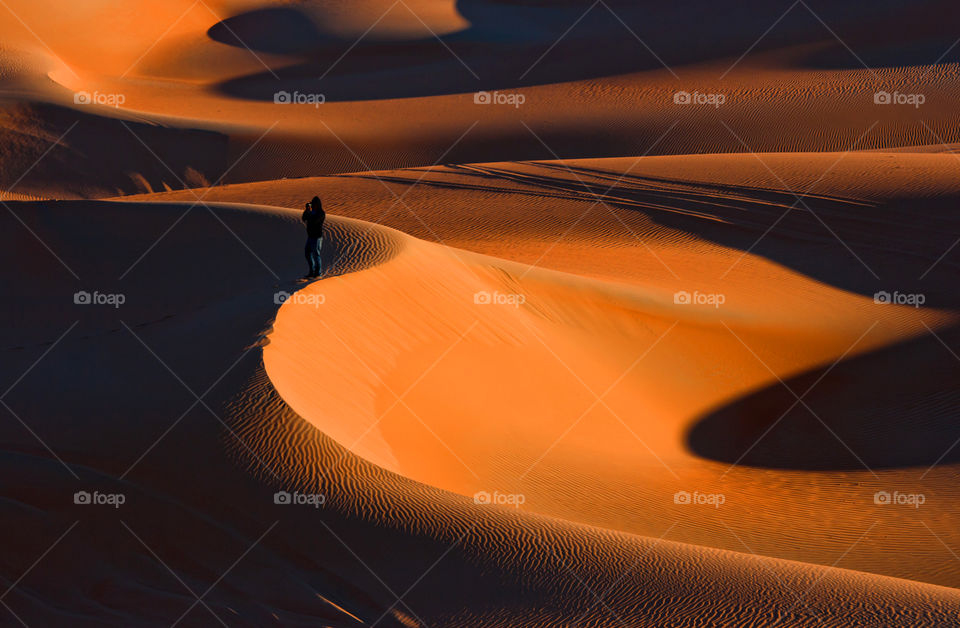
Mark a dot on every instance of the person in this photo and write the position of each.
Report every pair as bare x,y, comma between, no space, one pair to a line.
313,217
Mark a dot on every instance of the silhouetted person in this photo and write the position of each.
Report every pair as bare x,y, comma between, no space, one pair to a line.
313,217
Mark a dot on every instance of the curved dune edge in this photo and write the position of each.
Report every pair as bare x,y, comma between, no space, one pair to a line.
521,542
411,328
549,571
434,298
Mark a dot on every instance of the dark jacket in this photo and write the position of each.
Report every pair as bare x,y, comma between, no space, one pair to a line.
313,219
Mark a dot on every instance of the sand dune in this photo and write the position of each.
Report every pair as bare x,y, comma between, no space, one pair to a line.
519,568
664,333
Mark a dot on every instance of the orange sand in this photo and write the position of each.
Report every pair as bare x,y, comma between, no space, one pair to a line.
647,332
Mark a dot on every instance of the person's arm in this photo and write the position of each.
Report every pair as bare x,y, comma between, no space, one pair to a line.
305,215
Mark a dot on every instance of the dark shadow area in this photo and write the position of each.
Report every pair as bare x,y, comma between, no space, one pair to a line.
275,30
513,44
892,55
896,407
168,260
919,37
102,156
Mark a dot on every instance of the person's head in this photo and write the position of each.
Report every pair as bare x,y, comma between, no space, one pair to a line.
315,204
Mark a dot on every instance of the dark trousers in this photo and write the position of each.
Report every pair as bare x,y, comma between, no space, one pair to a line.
312,251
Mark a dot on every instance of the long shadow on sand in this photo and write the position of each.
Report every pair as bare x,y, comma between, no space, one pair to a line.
845,242
896,407
516,43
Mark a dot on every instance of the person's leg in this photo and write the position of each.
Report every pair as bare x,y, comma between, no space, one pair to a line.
310,252
319,258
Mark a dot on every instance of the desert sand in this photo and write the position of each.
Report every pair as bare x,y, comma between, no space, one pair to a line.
596,358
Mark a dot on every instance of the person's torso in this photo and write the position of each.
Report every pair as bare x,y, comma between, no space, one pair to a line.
314,223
